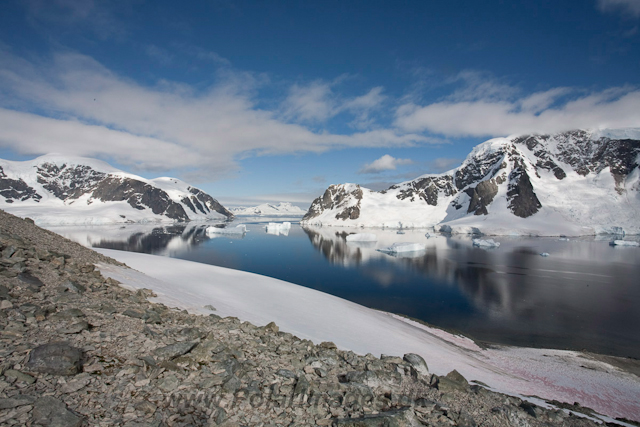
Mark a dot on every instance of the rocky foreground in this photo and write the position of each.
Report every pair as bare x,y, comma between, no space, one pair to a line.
77,349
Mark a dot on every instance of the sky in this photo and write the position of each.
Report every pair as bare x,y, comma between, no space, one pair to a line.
269,101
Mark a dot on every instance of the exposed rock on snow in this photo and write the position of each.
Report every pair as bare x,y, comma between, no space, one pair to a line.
573,183
267,209
489,243
55,189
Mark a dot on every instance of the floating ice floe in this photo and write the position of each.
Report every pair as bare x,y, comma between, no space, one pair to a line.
489,243
362,237
400,248
240,229
544,254
563,239
278,228
624,243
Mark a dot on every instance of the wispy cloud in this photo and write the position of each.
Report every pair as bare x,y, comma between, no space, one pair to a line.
384,163
484,107
317,102
73,104
627,7
97,17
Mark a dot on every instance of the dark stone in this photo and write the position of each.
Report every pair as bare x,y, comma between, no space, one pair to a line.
32,281
16,401
417,362
482,196
76,328
51,412
404,417
69,314
57,358
523,201
137,314
172,351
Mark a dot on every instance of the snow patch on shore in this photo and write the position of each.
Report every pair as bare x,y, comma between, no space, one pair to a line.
551,374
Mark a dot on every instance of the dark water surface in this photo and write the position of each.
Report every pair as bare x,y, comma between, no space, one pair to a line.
585,295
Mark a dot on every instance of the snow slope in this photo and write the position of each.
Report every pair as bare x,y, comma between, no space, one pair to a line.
63,190
266,209
551,374
573,183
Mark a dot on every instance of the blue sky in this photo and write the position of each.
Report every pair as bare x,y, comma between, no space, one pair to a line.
259,101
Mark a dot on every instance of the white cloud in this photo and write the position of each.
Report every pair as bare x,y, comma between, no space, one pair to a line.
630,7
72,104
384,163
310,103
548,111
317,102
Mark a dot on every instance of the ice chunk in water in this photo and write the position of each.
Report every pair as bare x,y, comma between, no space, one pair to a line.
624,243
362,237
489,243
240,229
397,248
277,228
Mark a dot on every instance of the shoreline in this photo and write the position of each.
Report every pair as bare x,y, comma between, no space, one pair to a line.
551,374
129,360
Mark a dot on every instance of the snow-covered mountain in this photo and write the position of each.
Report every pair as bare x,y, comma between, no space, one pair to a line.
56,189
266,209
575,183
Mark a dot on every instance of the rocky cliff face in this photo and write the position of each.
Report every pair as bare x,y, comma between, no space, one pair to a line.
77,186
576,178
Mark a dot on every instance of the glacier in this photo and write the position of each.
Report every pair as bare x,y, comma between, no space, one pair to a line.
571,184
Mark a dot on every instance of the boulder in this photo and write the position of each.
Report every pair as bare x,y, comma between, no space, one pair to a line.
58,358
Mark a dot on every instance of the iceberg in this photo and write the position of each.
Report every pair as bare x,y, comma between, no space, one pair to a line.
362,237
624,243
277,228
544,254
240,229
489,243
398,248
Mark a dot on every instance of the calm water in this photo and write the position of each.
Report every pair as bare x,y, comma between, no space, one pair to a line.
585,295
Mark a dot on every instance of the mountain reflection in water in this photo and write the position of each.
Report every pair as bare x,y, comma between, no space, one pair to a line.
583,296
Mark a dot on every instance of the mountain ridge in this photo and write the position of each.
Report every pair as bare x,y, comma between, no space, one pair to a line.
269,209
576,182
79,190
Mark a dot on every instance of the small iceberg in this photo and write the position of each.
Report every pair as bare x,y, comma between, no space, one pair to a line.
563,239
398,248
544,254
624,243
277,228
362,237
489,243
240,229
